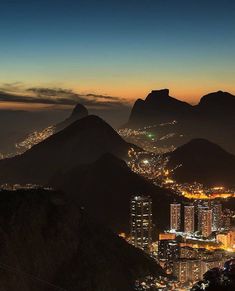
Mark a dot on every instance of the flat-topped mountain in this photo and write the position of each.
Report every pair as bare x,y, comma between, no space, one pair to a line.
158,107
205,162
48,243
84,141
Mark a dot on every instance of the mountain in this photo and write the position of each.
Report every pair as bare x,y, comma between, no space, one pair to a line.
204,162
37,136
48,243
83,160
84,141
105,188
220,102
158,107
18,124
174,122
79,112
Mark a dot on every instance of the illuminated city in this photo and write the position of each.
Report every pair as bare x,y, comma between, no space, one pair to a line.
187,255
201,235
117,145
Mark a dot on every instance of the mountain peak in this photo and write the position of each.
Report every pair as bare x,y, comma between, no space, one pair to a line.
204,162
158,107
201,146
200,141
79,111
217,99
90,121
162,93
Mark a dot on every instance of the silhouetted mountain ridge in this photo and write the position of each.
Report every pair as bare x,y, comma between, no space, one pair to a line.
217,102
158,107
213,118
204,162
84,141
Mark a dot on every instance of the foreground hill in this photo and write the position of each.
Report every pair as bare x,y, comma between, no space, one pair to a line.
48,244
204,162
105,188
84,141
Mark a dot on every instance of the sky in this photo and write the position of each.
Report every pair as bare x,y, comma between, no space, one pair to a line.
90,50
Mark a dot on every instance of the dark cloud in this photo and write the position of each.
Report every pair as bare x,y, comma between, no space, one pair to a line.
114,110
103,97
50,91
11,87
58,96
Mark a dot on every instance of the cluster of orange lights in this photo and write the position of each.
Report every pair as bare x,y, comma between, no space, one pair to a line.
209,247
202,195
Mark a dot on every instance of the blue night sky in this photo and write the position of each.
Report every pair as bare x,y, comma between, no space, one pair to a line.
121,48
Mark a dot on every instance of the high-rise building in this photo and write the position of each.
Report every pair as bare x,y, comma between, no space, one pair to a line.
175,216
187,252
217,215
168,250
195,270
187,270
141,222
180,270
189,219
206,226
199,216
227,219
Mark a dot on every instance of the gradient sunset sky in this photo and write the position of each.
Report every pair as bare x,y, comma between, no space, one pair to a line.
119,48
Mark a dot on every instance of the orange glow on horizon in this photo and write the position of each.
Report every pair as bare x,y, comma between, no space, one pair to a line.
30,106
128,92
